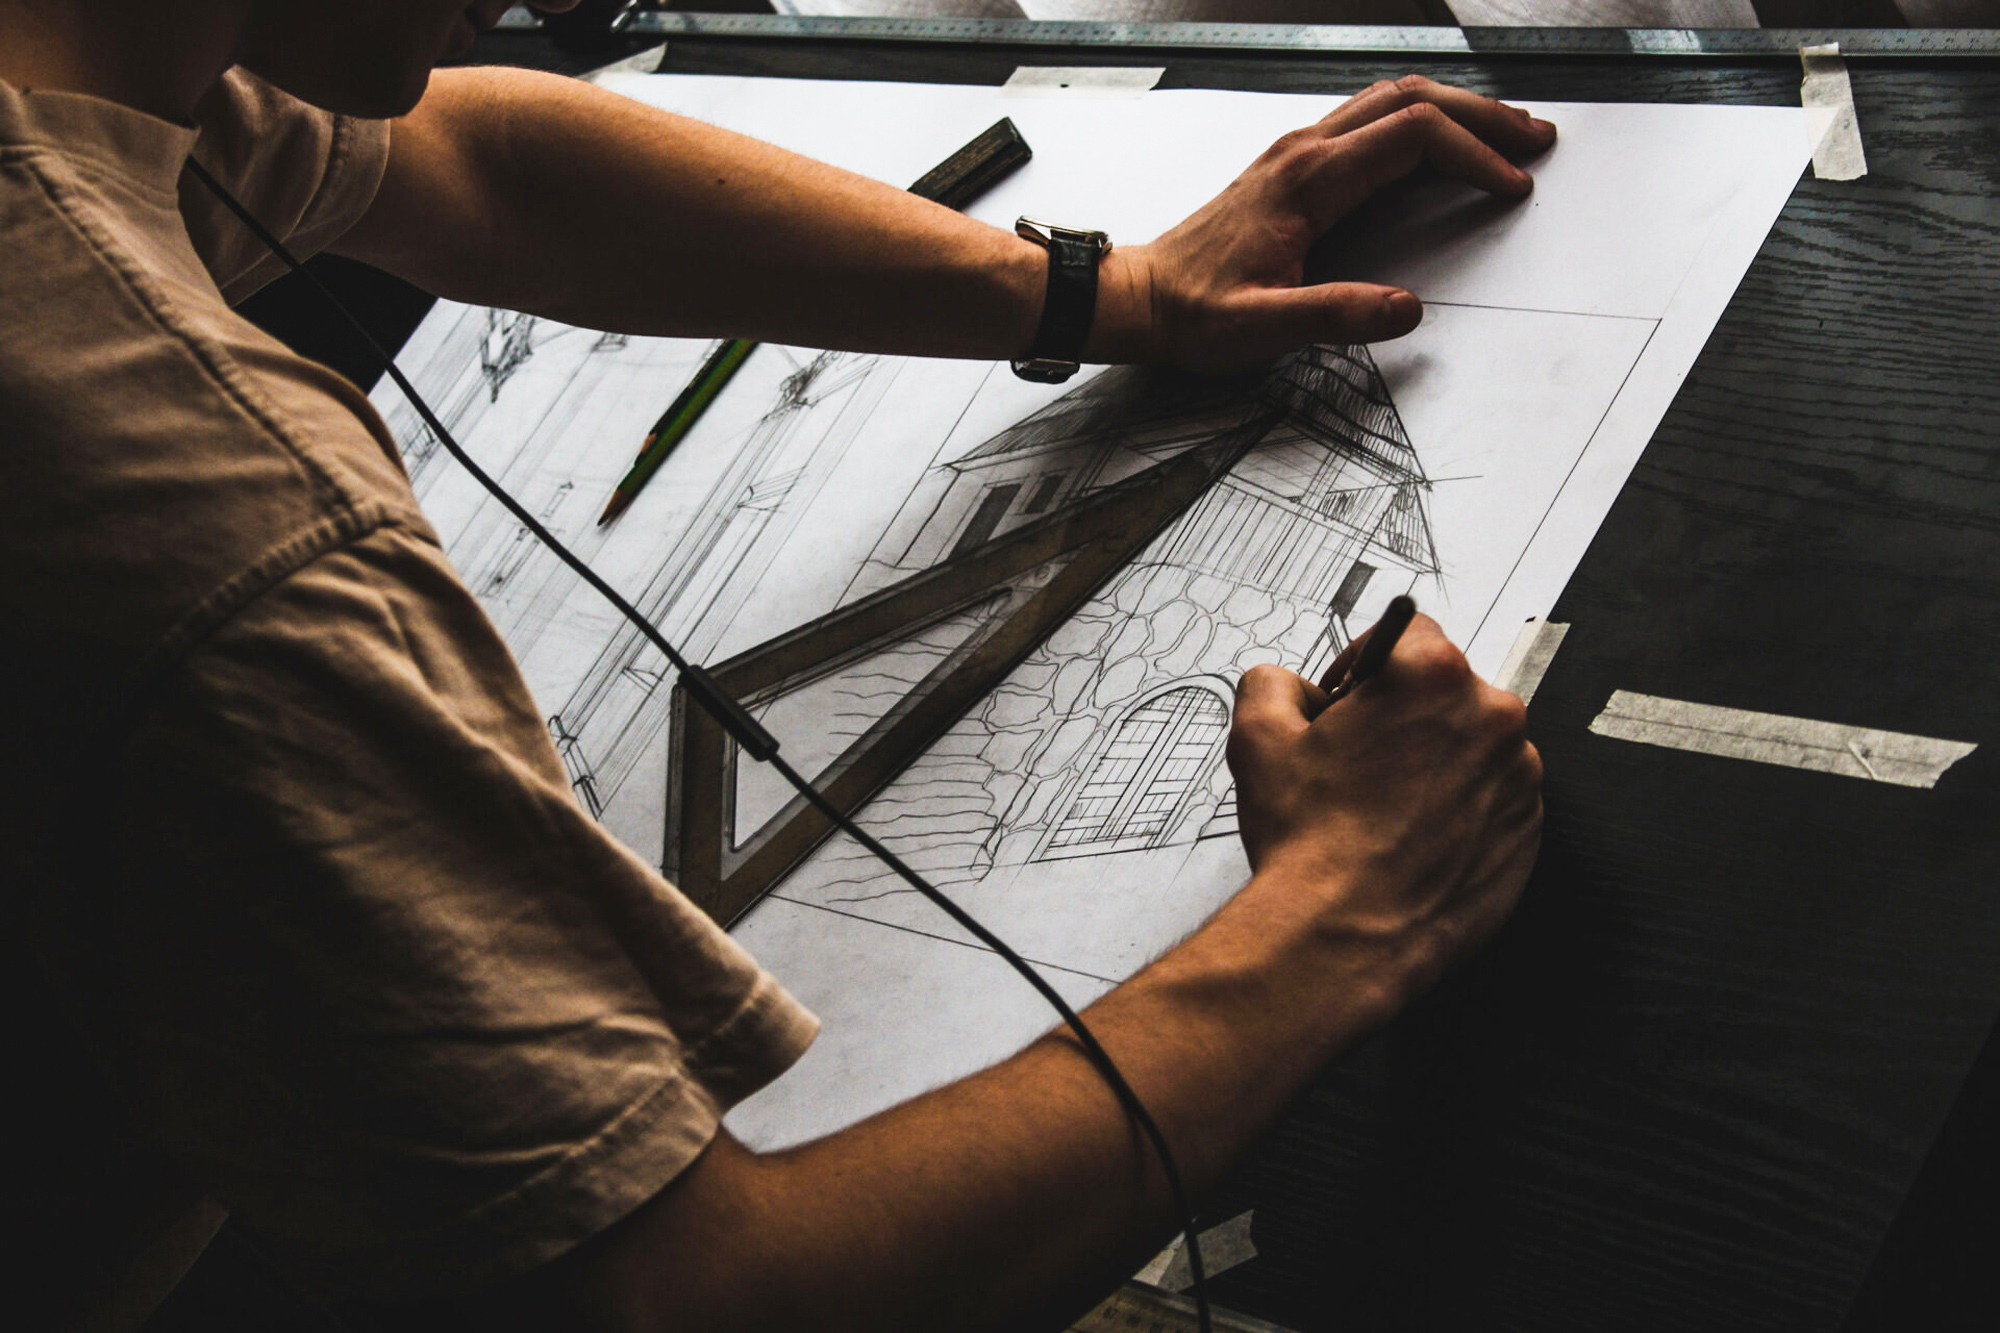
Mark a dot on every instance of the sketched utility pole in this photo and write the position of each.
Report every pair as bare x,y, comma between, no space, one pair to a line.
531,398
483,349
1037,659
616,716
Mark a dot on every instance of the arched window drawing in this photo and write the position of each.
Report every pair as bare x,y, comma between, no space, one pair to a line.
1163,749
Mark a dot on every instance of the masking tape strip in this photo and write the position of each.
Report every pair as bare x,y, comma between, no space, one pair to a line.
1766,738
1528,660
1828,98
1099,81
1223,1246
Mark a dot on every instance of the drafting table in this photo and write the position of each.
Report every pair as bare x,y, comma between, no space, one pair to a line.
1693,1083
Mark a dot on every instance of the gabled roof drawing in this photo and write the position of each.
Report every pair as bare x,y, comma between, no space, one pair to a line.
1127,404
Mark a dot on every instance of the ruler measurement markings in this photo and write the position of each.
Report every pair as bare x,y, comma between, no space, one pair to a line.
1671,43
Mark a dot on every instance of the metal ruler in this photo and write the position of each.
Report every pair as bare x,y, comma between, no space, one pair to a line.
1675,43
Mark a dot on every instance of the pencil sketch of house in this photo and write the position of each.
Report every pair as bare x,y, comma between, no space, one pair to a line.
1106,738
1031,661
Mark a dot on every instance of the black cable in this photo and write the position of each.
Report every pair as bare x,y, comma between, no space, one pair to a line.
751,736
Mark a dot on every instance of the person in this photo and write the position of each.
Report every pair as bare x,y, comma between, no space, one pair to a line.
309,926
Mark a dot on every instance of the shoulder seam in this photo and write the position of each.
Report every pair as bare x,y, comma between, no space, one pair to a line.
221,368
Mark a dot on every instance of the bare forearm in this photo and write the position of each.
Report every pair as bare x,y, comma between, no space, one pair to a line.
524,190
1015,1197
600,211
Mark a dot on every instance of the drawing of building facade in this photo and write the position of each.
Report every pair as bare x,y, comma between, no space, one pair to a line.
1104,740
1108,739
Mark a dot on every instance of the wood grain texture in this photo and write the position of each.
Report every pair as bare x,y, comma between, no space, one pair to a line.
1689,1085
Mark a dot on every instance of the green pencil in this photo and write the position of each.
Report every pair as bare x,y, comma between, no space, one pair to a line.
675,422
954,182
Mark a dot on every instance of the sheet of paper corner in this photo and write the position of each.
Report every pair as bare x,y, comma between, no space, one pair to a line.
1528,660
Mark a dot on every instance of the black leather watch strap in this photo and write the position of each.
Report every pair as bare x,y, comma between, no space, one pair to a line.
1070,303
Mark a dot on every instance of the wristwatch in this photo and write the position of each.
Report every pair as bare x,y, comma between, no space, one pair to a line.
1071,301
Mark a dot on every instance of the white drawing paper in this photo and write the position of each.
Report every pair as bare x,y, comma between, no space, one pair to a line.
1081,809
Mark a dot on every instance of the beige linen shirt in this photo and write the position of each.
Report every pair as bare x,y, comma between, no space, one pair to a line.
302,915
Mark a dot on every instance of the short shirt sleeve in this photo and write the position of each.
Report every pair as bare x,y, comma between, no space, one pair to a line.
306,174
378,981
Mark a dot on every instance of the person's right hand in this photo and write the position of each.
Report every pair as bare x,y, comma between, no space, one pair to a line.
1410,810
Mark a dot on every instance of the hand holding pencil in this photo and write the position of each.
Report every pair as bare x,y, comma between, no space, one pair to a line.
1410,814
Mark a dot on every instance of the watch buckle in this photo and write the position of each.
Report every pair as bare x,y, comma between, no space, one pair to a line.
1041,233
1044,234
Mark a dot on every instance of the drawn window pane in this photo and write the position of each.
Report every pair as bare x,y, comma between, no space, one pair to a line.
1224,819
1161,750
1045,493
1350,590
993,507
1404,528
510,563
1340,505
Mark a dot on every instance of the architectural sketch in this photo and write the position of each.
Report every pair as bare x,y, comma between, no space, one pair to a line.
1266,519
490,347
1003,622
1073,599
1019,673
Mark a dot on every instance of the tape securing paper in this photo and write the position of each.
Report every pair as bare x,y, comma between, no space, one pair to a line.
1223,1246
1528,660
1828,97
1767,738
1094,81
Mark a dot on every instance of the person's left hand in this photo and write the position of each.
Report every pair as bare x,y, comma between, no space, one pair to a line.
1222,290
